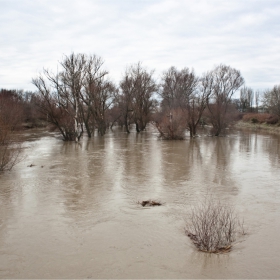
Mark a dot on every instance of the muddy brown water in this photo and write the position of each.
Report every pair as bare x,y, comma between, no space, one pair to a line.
75,213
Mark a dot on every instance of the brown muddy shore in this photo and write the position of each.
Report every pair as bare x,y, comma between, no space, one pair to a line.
70,210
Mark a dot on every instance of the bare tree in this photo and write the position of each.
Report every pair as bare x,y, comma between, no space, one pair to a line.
271,100
61,95
145,87
103,102
136,101
172,87
49,102
183,89
115,115
125,99
197,103
257,100
98,95
246,98
177,92
69,85
226,81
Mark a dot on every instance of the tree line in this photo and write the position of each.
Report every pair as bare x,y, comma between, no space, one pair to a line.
80,98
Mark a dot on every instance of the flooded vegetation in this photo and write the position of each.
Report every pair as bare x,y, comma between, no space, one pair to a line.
74,214
213,226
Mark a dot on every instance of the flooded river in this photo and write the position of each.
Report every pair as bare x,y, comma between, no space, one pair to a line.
74,214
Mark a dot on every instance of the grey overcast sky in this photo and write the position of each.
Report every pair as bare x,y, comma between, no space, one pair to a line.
198,34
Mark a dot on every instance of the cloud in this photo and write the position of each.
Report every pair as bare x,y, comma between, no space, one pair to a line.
160,33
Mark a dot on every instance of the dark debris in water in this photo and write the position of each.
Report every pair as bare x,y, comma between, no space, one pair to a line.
150,203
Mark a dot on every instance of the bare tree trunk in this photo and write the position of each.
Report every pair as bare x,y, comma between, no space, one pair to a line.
126,124
137,127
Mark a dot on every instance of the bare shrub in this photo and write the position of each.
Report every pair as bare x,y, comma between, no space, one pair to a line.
261,118
10,151
212,226
256,118
219,125
9,156
273,119
10,118
171,126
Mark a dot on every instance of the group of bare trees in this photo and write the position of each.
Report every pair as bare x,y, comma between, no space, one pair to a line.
81,97
77,97
271,100
187,97
249,100
135,98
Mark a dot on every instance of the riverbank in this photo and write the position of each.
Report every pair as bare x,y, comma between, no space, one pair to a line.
271,128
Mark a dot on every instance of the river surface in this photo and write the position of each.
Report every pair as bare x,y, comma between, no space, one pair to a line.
74,214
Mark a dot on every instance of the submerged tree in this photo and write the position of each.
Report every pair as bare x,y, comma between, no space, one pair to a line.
177,91
125,100
186,94
136,97
226,81
78,95
98,95
171,126
197,103
60,95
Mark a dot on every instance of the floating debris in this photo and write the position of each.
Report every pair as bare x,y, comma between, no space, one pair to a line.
31,165
150,203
